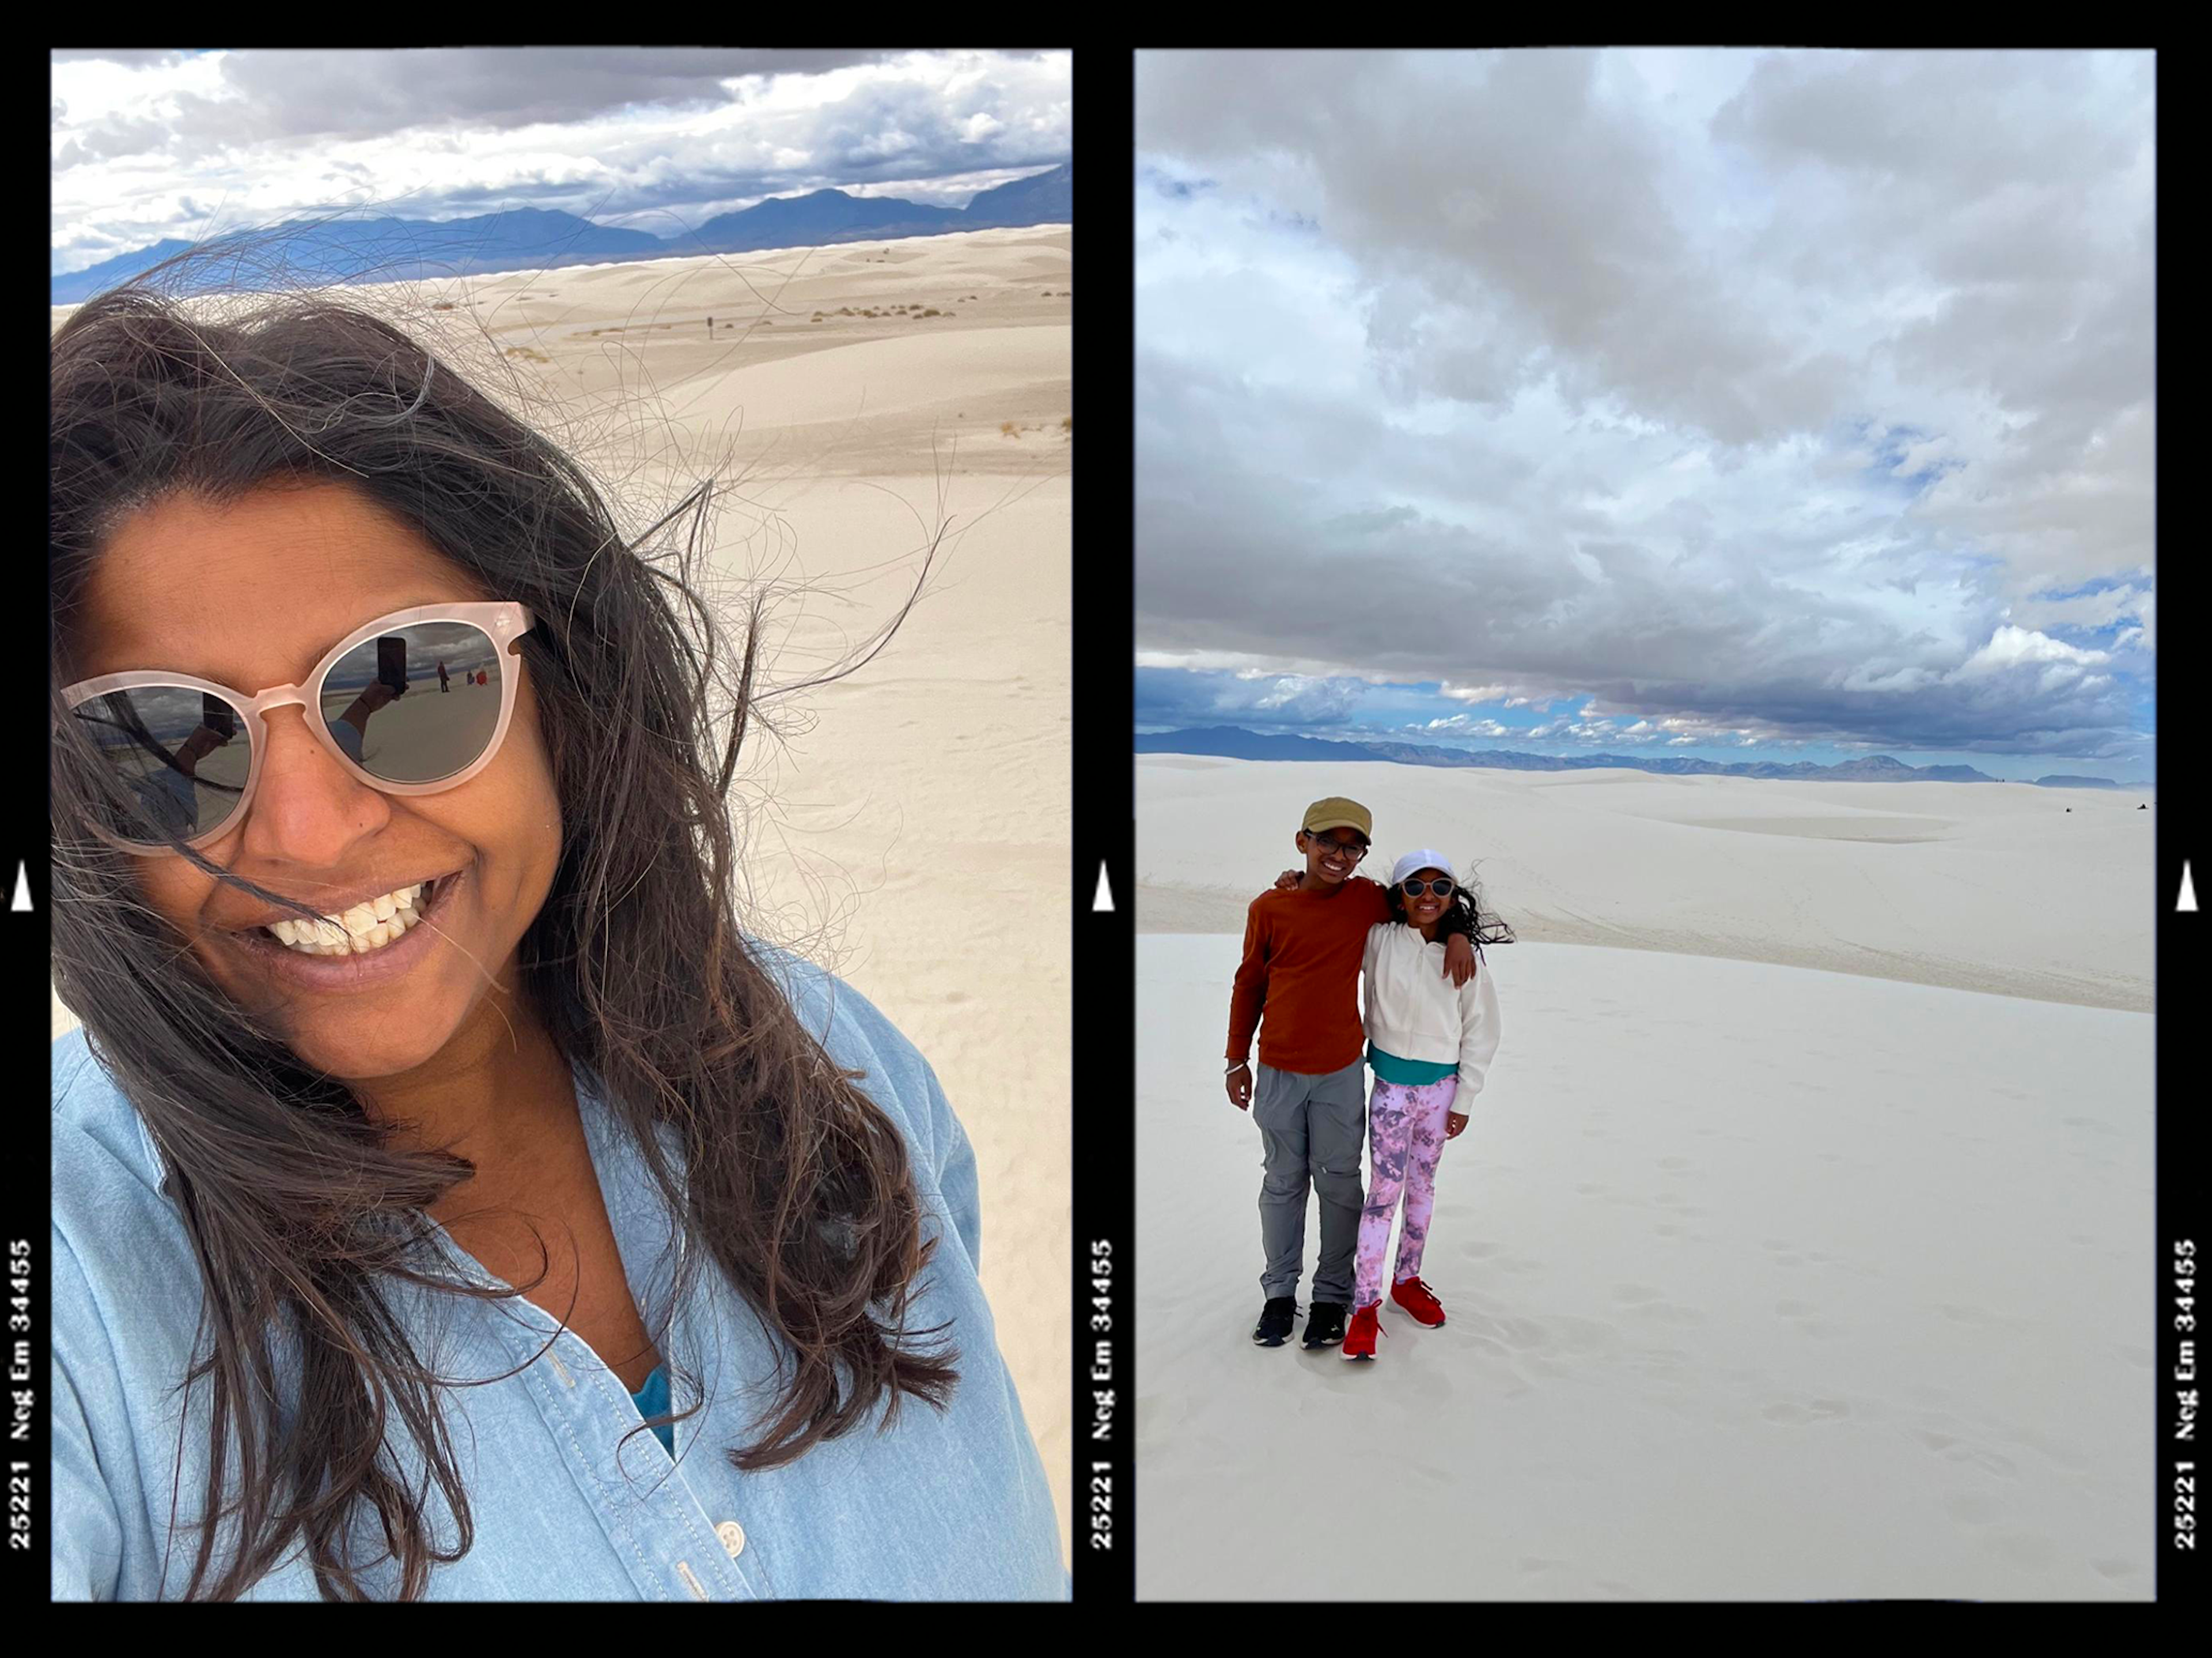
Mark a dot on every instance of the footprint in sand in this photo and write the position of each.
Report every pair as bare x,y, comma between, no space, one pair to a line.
1973,1507
1816,1410
2026,1549
1677,1163
1982,1458
1643,1298
1520,1333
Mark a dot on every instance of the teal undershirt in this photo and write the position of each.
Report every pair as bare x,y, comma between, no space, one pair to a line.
1408,1074
652,1399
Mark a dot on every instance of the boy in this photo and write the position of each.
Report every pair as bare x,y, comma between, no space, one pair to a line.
1303,949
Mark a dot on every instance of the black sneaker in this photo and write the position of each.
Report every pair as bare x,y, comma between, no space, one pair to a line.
1274,1327
1325,1324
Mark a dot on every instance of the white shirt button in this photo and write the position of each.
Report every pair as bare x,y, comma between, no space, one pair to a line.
733,1537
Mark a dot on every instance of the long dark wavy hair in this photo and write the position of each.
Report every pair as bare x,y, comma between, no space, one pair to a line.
1464,913
297,1203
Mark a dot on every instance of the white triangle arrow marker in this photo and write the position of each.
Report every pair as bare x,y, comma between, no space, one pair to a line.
1105,898
23,887
2188,900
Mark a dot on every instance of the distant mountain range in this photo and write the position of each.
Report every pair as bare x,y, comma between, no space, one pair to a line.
1234,743
529,238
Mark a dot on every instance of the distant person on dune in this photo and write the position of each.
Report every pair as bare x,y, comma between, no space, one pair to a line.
1303,946
1430,1045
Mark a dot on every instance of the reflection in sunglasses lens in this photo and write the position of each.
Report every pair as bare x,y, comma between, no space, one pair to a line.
176,756
417,704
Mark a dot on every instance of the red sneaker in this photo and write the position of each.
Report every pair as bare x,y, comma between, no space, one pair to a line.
1359,1340
1416,1298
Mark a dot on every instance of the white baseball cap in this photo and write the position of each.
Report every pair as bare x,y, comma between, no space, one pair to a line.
1426,858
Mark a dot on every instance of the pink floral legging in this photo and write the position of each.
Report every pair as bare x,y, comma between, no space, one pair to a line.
1406,1136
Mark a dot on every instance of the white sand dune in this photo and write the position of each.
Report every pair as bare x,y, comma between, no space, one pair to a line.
2045,893
1763,1281
909,825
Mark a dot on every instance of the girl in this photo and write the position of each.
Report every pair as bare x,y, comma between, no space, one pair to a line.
1428,1045
433,1122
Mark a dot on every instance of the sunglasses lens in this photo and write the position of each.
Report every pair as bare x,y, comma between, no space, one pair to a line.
417,704
176,759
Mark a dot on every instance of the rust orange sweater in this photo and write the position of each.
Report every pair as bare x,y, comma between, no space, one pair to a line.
1302,955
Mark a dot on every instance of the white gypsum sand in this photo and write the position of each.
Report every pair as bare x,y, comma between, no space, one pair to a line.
910,831
1763,1281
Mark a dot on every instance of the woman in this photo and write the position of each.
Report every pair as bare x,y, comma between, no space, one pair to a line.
1430,1045
433,1123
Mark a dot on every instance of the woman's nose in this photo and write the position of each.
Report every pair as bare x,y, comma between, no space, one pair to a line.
308,807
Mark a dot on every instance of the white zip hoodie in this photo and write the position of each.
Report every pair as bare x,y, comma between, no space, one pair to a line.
1416,1013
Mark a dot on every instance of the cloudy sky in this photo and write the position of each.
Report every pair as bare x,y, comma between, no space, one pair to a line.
154,144
1740,405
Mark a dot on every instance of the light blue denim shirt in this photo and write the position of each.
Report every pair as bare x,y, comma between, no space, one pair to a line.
951,1505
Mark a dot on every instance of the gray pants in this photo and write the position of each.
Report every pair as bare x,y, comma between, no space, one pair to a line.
1310,1131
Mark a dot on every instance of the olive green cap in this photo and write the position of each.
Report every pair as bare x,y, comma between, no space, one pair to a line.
1337,812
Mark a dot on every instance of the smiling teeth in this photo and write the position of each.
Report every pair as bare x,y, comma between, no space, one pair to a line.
368,925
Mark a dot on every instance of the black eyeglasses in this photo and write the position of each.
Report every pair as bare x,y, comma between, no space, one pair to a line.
1354,850
1413,887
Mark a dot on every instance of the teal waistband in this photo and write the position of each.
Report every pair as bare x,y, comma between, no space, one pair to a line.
1408,1074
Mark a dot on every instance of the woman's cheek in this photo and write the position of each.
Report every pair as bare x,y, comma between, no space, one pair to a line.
176,892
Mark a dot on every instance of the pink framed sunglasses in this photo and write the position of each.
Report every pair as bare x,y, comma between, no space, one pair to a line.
414,702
